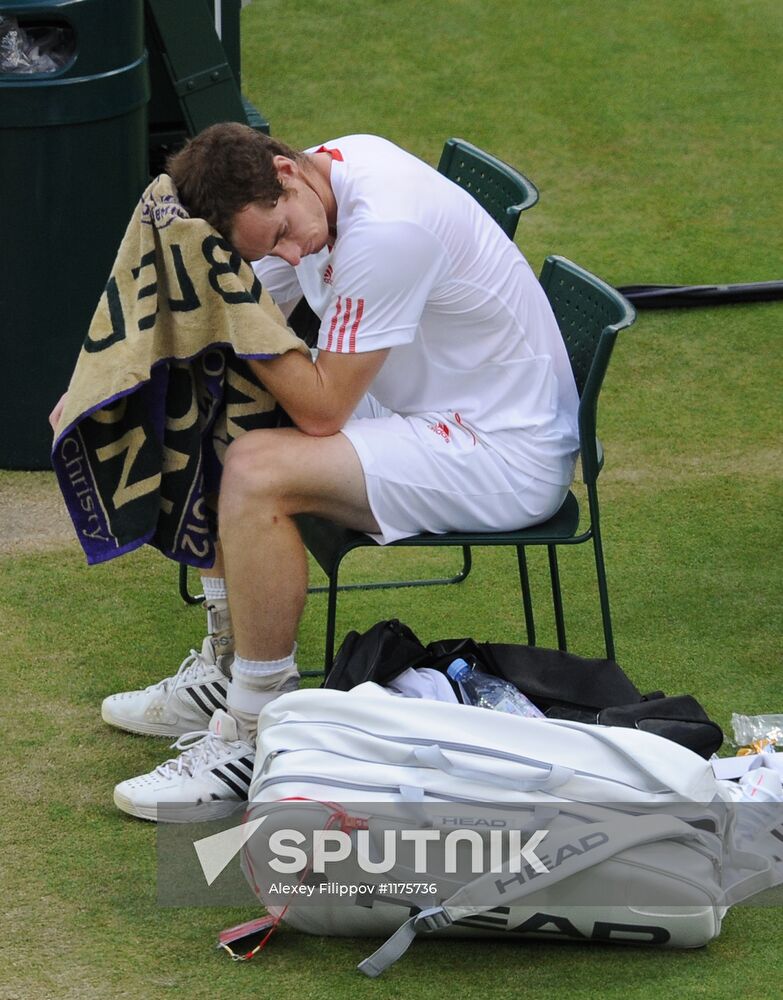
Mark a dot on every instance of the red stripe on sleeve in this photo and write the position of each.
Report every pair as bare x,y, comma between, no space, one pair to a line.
334,153
355,327
344,324
337,308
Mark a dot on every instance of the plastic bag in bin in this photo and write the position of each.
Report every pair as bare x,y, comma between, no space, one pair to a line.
35,48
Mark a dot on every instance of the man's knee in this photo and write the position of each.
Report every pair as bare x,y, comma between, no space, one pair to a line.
255,465
288,472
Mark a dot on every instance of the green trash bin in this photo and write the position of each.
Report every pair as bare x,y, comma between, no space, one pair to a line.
73,162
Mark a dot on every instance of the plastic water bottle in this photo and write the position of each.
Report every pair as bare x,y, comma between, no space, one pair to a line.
486,691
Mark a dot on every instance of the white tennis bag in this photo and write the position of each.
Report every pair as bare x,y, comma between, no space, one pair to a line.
636,827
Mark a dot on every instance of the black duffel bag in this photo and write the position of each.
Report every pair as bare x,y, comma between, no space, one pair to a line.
562,685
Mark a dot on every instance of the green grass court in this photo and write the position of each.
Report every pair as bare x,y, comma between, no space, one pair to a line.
653,132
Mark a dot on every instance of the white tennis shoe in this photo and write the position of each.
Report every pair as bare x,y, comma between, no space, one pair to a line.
176,705
210,778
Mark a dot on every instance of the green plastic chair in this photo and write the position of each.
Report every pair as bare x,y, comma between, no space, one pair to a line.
590,314
500,189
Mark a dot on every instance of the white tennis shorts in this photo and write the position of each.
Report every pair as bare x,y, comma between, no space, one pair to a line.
430,473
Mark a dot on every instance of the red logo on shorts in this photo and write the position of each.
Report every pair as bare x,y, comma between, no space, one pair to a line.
328,275
442,429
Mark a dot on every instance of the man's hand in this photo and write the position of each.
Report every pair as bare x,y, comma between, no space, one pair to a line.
57,412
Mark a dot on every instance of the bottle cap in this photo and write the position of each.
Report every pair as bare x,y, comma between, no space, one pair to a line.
457,669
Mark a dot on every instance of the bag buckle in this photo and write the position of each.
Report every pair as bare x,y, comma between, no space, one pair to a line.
433,919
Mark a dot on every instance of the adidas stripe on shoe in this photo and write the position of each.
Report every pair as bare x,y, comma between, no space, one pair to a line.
176,705
210,778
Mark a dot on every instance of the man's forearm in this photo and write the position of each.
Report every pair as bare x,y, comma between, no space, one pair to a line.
295,383
319,397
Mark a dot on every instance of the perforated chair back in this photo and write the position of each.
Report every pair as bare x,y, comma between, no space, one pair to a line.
500,189
589,313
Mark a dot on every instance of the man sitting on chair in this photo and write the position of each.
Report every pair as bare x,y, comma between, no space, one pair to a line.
441,399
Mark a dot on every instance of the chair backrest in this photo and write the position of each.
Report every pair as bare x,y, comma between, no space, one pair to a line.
590,314
500,189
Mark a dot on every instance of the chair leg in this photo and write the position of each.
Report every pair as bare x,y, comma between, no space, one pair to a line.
331,626
527,604
603,591
467,562
333,588
184,593
557,597
331,621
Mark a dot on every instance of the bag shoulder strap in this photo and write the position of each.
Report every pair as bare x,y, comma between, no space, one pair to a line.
604,841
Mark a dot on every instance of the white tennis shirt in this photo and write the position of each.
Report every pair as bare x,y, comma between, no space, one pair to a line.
419,267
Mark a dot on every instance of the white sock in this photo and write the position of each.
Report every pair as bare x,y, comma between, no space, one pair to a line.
263,668
214,588
254,683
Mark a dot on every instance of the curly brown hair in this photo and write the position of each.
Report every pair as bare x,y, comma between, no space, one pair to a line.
226,167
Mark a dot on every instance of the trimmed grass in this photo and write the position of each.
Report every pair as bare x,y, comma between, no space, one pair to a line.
653,134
